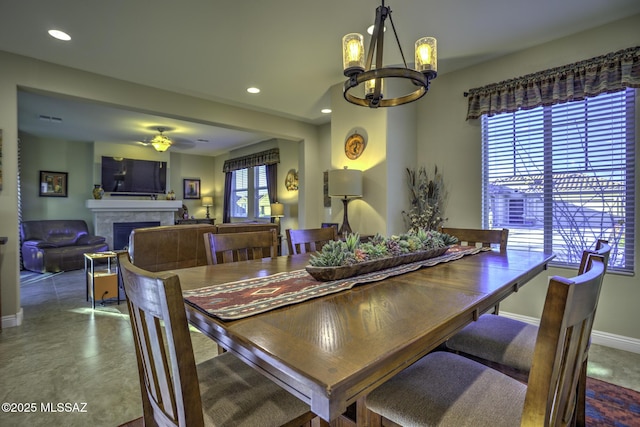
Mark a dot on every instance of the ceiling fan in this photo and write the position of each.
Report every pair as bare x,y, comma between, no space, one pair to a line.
162,143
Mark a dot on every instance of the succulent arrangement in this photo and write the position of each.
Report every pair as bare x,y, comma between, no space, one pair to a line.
352,251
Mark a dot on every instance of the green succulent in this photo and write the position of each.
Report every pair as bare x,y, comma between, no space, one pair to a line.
351,251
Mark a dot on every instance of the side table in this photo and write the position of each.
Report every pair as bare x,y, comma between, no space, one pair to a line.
101,282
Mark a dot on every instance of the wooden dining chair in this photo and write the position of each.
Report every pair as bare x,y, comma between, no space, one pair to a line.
175,392
309,240
484,237
508,345
444,388
233,247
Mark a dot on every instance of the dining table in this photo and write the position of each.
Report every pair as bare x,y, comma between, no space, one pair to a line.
332,350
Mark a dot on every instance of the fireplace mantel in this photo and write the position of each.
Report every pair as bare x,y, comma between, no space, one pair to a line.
134,205
106,212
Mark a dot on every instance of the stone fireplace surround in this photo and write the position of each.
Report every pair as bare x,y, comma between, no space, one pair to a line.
107,212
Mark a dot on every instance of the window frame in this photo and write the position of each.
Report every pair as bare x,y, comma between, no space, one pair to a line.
543,131
252,190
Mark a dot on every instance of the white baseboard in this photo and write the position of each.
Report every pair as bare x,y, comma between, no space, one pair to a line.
12,320
597,337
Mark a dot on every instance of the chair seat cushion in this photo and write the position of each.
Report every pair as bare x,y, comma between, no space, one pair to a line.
445,389
235,394
497,339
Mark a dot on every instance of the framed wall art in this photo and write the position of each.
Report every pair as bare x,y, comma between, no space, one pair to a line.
53,184
191,188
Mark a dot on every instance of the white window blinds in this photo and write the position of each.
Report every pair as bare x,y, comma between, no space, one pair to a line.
563,176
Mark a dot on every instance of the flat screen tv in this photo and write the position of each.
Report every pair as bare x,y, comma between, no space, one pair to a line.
120,175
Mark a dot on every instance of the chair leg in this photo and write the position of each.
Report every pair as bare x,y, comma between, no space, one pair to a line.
580,414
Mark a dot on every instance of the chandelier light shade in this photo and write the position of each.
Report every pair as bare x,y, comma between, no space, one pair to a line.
160,142
371,75
207,201
347,184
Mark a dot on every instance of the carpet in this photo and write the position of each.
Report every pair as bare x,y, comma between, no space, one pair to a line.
611,405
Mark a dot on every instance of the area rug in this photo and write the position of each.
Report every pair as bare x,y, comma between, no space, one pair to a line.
236,300
611,405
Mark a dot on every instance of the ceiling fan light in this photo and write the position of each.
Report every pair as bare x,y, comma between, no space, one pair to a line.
161,143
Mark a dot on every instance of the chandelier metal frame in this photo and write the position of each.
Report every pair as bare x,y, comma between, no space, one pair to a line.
357,76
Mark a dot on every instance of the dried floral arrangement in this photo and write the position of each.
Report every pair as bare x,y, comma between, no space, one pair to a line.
427,196
352,251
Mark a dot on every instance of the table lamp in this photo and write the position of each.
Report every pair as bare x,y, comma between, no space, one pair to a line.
347,184
207,201
277,212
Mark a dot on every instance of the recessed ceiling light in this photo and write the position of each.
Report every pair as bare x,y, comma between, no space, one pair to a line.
326,111
60,35
371,27
253,90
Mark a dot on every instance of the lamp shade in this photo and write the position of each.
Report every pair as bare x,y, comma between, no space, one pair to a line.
345,183
277,210
207,201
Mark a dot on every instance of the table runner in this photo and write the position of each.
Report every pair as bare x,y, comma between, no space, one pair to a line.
236,300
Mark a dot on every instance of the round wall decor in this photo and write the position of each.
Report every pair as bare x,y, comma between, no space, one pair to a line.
354,145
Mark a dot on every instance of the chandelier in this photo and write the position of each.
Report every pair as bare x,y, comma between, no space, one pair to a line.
160,142
372,75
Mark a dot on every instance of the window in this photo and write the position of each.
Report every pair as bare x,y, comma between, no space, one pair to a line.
250,201
561,177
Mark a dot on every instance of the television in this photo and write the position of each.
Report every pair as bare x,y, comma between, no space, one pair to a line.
122,176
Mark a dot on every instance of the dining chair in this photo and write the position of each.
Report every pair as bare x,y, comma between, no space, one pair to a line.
175,392
309,240
484,237
233,247
508,345
447,389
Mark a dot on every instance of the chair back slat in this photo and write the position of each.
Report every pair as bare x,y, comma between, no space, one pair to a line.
474,237
309,240
166,363
562,344
233,247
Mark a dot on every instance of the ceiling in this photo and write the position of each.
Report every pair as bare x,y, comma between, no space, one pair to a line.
290,49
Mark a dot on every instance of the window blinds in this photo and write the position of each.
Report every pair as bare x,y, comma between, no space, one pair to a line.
560,177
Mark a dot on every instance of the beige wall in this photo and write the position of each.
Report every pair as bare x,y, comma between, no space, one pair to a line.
446,139
74,158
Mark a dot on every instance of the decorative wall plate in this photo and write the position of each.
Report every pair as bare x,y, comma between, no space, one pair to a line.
354,146
291,180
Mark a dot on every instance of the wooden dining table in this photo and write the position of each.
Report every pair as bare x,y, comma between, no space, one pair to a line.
333,350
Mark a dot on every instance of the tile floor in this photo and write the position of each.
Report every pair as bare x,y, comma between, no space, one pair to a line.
65,352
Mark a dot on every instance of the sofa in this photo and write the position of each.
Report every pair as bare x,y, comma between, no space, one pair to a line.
172,247
57,245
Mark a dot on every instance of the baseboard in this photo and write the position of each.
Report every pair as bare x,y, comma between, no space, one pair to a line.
597,337
12,320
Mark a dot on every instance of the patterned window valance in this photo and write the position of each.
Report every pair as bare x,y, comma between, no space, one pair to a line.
267,157
607,73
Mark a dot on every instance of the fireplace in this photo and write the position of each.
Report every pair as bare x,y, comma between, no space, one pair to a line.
108,212
121,231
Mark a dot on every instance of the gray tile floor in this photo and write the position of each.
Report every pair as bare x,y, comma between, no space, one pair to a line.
65,352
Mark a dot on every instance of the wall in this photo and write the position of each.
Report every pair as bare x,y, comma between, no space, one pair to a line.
445,138
189,166
22,72
74,158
